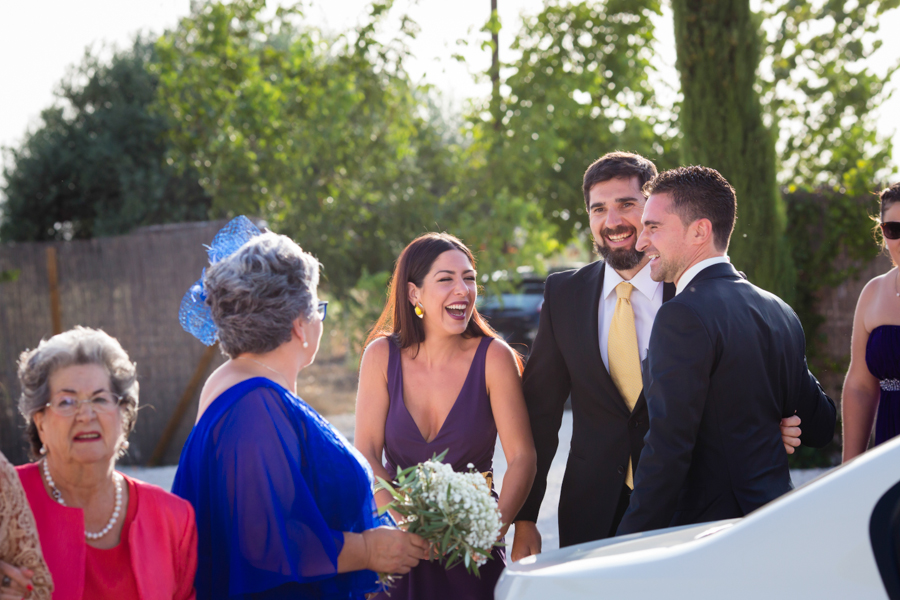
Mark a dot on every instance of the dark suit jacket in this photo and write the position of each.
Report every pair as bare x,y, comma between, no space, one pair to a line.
726,362
565,358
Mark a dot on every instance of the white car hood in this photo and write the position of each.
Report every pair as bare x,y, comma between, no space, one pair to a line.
637,542
815,538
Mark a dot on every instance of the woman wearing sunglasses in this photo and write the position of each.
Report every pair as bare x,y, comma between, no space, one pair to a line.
103,534
284,503
873,380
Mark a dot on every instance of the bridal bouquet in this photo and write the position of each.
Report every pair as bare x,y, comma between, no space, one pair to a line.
453,511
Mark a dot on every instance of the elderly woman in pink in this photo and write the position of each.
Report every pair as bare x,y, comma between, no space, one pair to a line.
103,535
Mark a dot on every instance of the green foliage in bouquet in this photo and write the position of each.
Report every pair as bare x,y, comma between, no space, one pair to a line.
454,512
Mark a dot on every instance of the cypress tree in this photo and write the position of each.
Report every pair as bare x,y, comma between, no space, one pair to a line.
718,54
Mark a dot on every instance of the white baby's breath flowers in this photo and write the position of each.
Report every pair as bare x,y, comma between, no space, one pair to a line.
454,511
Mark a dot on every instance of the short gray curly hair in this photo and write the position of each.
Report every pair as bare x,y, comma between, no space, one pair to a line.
256,293
78,346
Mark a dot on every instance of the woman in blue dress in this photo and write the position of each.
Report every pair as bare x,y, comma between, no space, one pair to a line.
283,502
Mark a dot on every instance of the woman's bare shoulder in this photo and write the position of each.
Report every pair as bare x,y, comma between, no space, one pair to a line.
500,355
877,301
878,285
376,354
223,378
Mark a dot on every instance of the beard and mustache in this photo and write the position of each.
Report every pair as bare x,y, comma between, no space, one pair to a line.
620,259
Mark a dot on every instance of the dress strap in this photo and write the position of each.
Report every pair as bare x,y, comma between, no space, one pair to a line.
480,363
394,372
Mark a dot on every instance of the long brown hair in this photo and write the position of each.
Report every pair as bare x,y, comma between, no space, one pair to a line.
398,320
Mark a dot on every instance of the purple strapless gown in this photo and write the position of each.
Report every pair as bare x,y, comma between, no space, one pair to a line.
470,435
883,360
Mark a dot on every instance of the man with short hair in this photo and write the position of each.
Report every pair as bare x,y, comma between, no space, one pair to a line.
726,362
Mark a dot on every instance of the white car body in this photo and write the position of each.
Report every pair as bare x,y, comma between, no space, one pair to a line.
814,542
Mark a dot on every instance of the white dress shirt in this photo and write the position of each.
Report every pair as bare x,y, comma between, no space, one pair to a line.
688,276
646,298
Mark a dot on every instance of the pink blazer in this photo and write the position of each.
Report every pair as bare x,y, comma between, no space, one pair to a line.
162,540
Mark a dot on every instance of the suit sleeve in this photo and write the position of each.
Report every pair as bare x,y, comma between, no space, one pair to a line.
816,410
546,385
676,382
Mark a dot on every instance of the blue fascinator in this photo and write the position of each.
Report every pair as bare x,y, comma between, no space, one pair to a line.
194,315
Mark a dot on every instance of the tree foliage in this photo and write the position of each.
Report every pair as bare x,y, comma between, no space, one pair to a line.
95,166
718,54
325,138
581,88
819,91
819,94
328,139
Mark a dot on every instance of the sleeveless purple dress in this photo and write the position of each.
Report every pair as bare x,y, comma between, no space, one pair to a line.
470,435
883,360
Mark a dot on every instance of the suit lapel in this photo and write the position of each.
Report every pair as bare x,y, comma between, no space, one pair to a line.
594,291
604,382
668,294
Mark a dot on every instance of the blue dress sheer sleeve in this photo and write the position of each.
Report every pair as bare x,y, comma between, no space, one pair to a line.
274,487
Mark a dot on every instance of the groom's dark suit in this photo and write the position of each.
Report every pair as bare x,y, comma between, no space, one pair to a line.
565,359
726,362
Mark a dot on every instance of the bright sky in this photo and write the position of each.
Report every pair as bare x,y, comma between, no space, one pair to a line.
40,39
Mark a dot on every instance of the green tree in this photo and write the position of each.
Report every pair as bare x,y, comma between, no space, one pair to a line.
820,94
818,90
718,55
95,166
325,138
581,87
329,140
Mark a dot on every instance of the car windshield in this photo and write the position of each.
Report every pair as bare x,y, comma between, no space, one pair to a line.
526,302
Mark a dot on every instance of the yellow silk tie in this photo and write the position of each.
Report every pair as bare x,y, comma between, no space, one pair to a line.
624,358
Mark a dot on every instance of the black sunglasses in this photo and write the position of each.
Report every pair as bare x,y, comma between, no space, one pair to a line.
891,230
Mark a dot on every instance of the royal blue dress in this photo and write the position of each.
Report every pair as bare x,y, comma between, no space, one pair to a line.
274,486
883,360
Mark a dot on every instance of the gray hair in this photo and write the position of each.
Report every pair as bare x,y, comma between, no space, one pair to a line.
259,291
78,346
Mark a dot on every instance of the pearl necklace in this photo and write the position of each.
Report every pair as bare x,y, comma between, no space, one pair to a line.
57,495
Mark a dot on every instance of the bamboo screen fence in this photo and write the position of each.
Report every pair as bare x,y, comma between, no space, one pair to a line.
129,286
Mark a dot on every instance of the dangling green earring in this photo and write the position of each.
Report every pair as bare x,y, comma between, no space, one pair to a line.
420,310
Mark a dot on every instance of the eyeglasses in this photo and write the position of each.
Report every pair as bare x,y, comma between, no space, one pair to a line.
891,230
322,309
67,405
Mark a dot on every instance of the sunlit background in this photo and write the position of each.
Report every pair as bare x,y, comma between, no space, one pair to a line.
40,39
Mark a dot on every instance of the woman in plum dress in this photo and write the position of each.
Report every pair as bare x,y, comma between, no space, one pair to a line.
435,377
873,380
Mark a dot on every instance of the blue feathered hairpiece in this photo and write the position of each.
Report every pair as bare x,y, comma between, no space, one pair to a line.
194,314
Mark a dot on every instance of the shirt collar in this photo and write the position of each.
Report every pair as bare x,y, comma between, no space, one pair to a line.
688,276
641,281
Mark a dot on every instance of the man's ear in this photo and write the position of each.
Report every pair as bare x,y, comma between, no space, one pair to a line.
701,232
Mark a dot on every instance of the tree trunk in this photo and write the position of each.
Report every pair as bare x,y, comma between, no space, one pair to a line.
718,53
